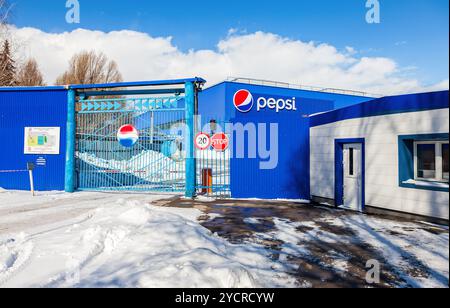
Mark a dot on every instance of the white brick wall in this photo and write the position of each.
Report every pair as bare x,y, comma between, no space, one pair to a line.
381,135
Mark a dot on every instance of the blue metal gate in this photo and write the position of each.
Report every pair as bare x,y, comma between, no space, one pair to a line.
155,162
212,166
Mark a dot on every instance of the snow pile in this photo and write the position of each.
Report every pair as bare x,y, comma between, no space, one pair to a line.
134,244
148,165
13,255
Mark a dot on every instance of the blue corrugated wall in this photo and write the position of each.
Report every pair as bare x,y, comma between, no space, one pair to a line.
290,179
27,108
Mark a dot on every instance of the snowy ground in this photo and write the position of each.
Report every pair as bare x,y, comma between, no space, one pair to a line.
116,240
140,240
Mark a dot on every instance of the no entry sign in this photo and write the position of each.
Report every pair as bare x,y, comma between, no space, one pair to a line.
220,142
202,141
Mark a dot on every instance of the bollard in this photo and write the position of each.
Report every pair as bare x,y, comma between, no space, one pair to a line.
30,167
207,181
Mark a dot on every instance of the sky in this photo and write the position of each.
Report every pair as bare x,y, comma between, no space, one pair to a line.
411,42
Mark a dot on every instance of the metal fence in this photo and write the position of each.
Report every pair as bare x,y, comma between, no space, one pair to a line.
213,167
154,163
262,82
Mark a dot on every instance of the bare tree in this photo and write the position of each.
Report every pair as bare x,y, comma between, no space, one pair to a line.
5,14
89,67
5,9
29,74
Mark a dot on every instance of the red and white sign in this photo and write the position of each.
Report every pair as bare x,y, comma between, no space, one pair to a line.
128,135
202,141
220,142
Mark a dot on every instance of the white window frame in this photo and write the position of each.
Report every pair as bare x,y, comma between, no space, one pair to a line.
438,162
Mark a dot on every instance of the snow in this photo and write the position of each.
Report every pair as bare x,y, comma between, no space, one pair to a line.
122,241
153,166
125,240
428,249
148,165
206,199
141,161
252,220
427,183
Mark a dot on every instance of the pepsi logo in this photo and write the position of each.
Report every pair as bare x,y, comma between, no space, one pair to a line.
243,101
127,136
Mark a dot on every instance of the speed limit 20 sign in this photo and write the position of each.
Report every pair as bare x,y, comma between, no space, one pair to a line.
202,141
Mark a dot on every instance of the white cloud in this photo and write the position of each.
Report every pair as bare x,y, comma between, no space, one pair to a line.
401,43
350,50
444,84
257,55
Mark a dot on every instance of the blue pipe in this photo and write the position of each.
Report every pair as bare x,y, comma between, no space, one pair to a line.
69,182
132,92
190,160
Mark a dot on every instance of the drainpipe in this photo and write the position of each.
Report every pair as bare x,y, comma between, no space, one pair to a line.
69,183
190,160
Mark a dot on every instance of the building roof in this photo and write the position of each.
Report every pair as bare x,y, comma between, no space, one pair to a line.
385,106
285,85
24,89
170,82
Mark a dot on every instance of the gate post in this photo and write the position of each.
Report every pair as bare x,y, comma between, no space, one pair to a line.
69,183
190,160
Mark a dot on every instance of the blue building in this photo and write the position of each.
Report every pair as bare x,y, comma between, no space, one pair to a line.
48,107
288,176
37,107
70,135
344,148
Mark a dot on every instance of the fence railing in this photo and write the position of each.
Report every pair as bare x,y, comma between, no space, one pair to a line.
213,166
262,82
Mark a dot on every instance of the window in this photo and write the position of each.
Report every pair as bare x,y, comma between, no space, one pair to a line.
352,162
445,159
426,161
431,161
423,161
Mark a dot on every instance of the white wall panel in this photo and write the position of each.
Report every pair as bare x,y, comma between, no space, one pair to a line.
381,135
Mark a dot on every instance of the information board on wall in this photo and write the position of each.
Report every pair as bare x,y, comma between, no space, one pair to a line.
42,140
